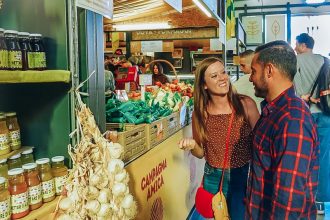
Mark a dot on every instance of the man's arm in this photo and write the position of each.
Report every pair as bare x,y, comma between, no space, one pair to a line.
292,156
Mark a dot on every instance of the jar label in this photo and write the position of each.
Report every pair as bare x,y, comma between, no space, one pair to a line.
5,210
15,59
59,183
3,58
35,195
30,60
39,60
15,138
4,142
19,203
48,189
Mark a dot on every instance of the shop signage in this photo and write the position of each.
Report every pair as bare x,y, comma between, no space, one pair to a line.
103,7
152,46
184,33
165,179
176,4
145,79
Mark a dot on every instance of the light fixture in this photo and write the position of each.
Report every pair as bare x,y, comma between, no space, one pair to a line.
314,1
208,14
141,26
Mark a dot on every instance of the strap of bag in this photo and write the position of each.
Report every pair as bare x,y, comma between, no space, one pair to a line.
318,76
227,148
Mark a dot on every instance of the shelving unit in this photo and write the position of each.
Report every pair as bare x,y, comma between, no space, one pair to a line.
34,76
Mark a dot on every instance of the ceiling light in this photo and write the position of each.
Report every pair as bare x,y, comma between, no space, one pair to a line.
141,26
314,1
202,8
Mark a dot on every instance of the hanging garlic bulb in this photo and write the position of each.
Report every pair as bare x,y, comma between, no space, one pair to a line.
118,189
93,206
115,150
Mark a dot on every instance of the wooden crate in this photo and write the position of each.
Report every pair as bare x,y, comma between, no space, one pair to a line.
172,124
156,132
134,142
120,126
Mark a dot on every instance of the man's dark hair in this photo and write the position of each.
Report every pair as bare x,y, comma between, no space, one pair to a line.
246,53
281,55
304,38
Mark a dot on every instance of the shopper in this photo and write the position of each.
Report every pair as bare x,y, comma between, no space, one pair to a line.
308,66
157,74
215,103
284,169
243,85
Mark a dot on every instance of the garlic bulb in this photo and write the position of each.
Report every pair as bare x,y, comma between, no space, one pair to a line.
93,206
115,150
92,192
115,166
64,217
118,189
131,212
127,201
66,204
94,179
121,176
104,196
105,211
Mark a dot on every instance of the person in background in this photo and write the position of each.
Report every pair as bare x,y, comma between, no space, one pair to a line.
157,74
308,68
283,175
216,102
109,81
243,85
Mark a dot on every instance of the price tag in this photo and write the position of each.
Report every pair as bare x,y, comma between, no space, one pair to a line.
145,79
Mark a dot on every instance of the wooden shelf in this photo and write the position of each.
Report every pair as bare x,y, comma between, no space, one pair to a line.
6,156
30,76
44,212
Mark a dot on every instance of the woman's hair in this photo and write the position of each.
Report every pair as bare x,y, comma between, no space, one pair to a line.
160,68
202,98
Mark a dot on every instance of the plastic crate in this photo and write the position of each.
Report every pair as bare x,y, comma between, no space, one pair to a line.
134,142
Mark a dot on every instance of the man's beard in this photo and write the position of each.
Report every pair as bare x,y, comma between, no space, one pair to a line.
261,90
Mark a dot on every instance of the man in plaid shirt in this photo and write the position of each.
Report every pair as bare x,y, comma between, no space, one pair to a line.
284,169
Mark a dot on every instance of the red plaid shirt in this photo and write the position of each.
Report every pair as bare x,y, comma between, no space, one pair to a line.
284,170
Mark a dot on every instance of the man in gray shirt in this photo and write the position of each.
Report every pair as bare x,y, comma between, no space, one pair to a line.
308,68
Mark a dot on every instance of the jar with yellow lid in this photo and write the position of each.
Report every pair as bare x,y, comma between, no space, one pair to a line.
27,156
34,185
19,193
4,171
60,173
14,161
5,209
14,131
47,180
4,136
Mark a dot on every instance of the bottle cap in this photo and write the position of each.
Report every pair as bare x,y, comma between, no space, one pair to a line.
15,156
28,151
2,180
35,35
9,114
29,166
58,159
23,34
15,171
10,32
42,161
3,160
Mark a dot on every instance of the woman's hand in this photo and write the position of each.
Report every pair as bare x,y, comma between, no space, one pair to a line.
187,144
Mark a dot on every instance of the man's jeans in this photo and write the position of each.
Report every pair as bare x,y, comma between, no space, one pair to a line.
323,131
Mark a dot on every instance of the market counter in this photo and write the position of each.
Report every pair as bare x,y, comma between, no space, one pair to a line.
165,179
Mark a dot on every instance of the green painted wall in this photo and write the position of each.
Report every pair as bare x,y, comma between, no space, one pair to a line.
43,109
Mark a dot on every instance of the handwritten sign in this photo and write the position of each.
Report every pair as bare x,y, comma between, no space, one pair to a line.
151,46
145,79
176,4
103,7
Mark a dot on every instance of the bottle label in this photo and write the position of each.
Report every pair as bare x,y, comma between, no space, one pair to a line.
35,195
59,183
4,142
39,60
48,189
15,138
3,59
30,60
5,210
15,59
19,203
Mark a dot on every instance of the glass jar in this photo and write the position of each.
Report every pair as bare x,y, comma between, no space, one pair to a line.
24,43
14,50
14,161
5,210
4,136
27,156
60,173
38,52
3,52
34,185
14,131
4,171
19,193
47,180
